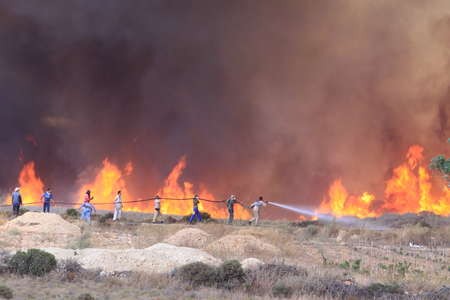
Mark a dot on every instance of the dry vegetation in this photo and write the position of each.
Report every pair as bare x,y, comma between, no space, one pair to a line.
339,261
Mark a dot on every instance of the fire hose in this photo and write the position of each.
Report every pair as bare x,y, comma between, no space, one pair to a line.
124,202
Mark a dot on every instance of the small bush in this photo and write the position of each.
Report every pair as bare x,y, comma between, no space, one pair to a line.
34,262
230,275
282,291
86,297
263,279
73,213
6,292
69,269
23,211
103,219
19,263
197,274
379,289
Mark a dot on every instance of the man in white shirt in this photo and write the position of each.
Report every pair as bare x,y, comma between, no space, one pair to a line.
256,206
157,206
118,206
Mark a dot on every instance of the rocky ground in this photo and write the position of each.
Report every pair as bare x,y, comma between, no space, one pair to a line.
413,255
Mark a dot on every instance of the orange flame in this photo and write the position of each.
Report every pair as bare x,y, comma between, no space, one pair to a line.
174,189
106,183
31,186
408,190
111,178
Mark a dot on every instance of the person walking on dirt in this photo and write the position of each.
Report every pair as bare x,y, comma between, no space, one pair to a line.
230,206
157,207
196,213
256,206
16,201
86,211
46,199
118,206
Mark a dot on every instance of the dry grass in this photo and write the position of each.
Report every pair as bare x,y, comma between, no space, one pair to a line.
322,249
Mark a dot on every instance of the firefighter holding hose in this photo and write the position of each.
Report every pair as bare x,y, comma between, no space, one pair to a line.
196,212
256,207
230,206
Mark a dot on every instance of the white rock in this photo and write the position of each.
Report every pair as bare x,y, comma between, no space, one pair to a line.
251,263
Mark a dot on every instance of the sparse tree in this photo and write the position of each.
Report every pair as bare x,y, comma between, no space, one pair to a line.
442,165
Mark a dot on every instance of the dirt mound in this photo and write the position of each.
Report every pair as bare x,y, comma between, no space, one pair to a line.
237,246
42,223
159,258
189,237
33,230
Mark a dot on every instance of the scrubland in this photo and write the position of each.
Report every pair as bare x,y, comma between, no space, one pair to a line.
393,257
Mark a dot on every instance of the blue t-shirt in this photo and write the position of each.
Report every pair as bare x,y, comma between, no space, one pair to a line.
16,198
47,196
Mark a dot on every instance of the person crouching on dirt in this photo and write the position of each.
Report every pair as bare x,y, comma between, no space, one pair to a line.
46,199
118,206
196,213
157,207
230,206
256,206
86,211
16,201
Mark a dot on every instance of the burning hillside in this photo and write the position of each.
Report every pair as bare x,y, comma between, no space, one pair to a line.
408,190
110,178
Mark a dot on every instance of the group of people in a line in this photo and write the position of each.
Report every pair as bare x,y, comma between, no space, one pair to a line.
87,208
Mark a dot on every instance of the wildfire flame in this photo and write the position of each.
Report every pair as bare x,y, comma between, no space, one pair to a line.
408,190
110,178
106,183
31,186
173,189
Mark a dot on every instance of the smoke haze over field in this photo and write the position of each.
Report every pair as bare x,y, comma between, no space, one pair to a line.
263,97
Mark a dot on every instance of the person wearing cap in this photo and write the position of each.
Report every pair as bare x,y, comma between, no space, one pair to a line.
157,207
230,206
196,212
256,206
46,198
16,201
118,206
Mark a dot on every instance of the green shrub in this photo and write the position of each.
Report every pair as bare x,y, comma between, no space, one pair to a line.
6,292
197,274
378,289
105,217
34,262
86,297
23,211
73,213
282,291
230,275
19,263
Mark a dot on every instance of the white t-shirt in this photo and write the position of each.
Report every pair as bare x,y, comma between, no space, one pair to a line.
157,203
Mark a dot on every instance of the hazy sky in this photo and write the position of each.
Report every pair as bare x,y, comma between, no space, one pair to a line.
263,97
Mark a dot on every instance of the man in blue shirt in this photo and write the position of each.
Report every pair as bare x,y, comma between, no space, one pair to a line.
47,197
16,201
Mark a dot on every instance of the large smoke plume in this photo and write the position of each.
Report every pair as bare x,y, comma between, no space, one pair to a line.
263,97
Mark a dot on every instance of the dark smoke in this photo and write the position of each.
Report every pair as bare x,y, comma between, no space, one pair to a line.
276,98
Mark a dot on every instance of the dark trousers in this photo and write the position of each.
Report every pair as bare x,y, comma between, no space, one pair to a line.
230,215
46,207
195,214
16,208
